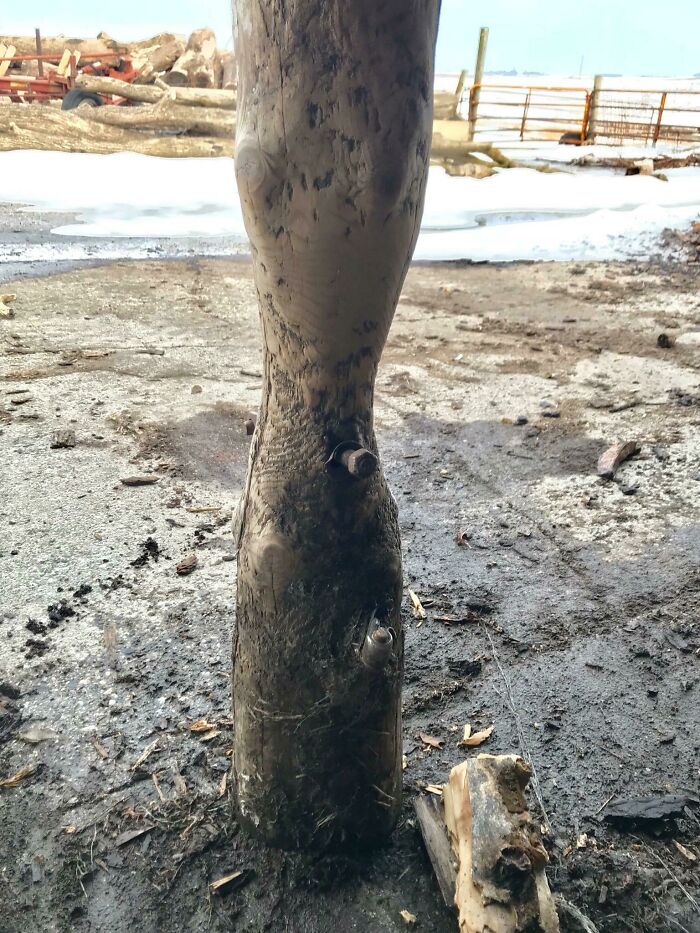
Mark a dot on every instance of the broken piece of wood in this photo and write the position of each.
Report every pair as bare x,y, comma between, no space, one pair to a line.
501,882
431,822
610,460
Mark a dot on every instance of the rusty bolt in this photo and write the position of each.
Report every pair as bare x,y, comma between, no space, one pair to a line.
377,648
361,463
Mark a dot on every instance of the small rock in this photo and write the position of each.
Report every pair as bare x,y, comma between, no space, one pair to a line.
196,390
665,341
147,480
521,420
186,565
62,439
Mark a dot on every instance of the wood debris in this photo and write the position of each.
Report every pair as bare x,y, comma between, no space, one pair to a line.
610,460
130,835
686,853
646,811
202,725
231,882
471,740
431,740
407,917
418,610
145,754
18,776
431,822
501,882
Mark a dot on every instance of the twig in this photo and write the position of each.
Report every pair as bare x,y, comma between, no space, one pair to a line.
605,802
535,783
571,909
670,872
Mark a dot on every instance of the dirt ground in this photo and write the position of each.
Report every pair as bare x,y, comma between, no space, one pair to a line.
568,617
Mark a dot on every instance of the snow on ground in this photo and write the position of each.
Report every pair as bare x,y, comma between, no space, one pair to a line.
515,214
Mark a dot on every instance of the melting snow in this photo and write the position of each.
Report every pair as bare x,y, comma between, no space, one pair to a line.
516,214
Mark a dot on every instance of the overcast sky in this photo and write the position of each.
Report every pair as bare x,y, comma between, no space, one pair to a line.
614,36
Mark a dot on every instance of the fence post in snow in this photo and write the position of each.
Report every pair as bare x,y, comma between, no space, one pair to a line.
594,109
475,91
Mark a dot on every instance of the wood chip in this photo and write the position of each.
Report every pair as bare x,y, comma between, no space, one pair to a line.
407,917
610,460
100,749
130,835
418,610
186,565
231,882
431,740
686,853
147,480
223,783
144,754
478,738
208,736
202,725
18,776
434,789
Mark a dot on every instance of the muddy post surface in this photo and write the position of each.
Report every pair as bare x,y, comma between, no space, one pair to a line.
334,124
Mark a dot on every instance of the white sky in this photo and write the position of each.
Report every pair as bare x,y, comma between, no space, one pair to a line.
612,36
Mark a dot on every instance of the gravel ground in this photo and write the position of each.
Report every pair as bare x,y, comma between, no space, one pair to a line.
581,597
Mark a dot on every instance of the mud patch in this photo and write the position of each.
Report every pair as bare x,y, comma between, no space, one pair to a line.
210,447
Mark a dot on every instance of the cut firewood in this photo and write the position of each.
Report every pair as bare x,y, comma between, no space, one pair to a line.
501,882
179,74
609,461
228,71
56,45
199,65
158,58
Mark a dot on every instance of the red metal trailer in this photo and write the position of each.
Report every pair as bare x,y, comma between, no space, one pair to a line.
53,83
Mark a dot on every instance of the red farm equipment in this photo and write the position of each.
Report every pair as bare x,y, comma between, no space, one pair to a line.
55,79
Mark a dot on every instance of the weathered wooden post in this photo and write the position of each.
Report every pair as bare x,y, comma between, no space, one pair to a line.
475,93
333,136
594,109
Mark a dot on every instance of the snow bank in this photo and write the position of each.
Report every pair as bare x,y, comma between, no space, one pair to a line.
515,214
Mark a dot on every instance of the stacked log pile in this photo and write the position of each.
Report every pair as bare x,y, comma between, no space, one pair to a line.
196,61
182,103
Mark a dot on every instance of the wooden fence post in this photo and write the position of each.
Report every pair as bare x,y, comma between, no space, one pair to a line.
475,92
594,110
